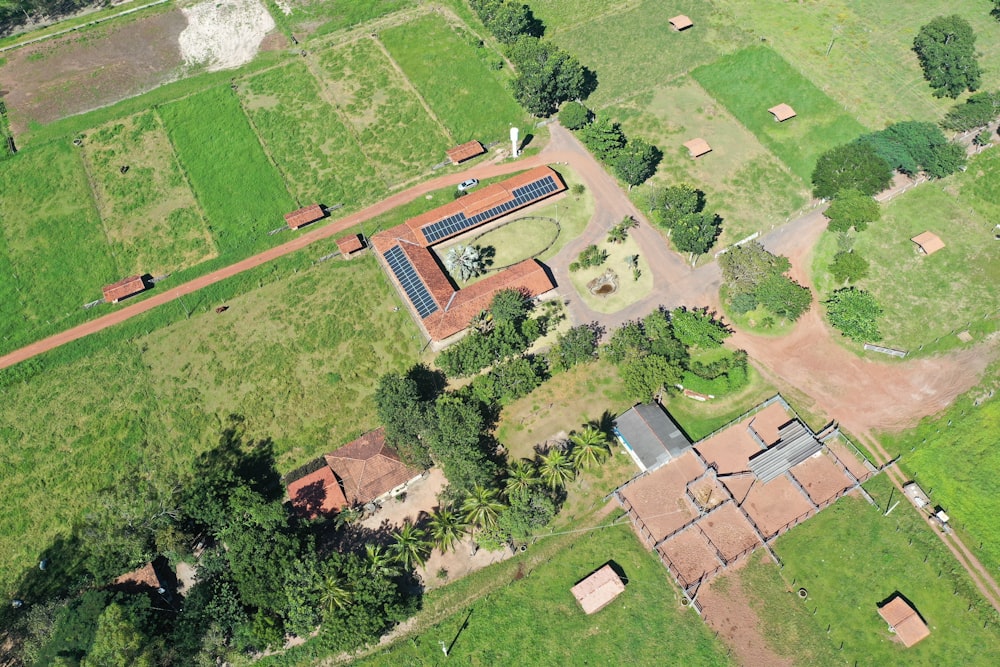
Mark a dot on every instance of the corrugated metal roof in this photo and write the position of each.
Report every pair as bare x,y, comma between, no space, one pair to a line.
651,434
795,445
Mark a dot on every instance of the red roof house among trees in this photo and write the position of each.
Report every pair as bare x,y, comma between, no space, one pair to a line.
125,287
465,152
317,494
369,469
304,216
598,590
904,621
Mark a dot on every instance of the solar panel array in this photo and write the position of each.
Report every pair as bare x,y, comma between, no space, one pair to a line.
458,222
407,276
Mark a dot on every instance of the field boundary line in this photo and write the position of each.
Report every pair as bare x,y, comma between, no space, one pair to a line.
263,144
91,186
82,26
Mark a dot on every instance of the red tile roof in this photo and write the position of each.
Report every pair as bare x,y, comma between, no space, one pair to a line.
904,621
317,493
349,244
681,22
434,277
114,292
369,468
598,590
144,577
929,242
467,150
697,147
304,216
782,112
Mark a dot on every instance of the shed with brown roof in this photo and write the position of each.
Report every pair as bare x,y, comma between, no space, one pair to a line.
125,287
681,22
369,469
928,242
697,147
464,152
304,216
904,620
598,589
782,112
317,494
347,245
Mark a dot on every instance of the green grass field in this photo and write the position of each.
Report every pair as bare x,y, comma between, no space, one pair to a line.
316,153
152,221
744,182
927,299
871,68
384,112
535,620
955,455
468,99
296,357
54,249
241,193
755,79
851,558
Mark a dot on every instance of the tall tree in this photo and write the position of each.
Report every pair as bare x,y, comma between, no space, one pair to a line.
644,377
556,468
401,409
118,642
698,328
521,477
482,507
574,115
946,48
855,313
637,161
856,165
604,138
455,442
466,259
848,267
784,297
747,266
446,528
590,446
410,546
547,76
575,346
851,208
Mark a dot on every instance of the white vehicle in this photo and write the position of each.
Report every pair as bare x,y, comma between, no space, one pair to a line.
468,185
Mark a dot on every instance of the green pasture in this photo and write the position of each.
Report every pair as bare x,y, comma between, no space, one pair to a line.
926,299
383,111
634,48
320,17
316,153
751,81
743,181
444,65
54,248
152,221
850,558
699,419
870,68
534,619
955,456
239,190
562,15
281,356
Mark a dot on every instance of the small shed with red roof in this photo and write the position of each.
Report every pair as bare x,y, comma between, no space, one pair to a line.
348,245
125,287
304,216
904,620
598,590
681,22
465,151
928,243
697,147
782,112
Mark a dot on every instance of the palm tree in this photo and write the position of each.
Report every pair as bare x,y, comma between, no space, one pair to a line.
380,561
521,476
556,468
446,528
481,506
590,447
411,547
466,259
335,593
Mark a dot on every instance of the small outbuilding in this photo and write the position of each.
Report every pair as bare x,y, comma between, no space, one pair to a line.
782,112
464,152
125,287
697,147
650,436
598,589
681,22
928,243
304,216
349,245
904,620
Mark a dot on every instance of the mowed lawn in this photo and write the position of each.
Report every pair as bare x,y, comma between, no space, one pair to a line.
743,181
850,558
871,67
955,455
298,358
317,154
241,193
54,253
634,48
927,298
383,111
751,81
535,620
448,71
152,221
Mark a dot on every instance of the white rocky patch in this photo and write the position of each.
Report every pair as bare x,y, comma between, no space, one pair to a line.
223,34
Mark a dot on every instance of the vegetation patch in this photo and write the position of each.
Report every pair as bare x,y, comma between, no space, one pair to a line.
751,81
632,286
467,98
151,219
239,190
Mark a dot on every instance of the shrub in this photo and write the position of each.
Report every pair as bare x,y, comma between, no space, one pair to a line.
852,208
591,256
855,313
856,166
574,115
848,267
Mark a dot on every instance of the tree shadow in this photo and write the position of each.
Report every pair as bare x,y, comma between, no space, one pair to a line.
430,383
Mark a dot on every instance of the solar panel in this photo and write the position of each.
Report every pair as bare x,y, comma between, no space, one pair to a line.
407,276
454,224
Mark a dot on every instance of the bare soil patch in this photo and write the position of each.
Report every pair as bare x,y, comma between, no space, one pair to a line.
821,478
847,457
691,555
659,498
774,504
729,531
72,74
730,450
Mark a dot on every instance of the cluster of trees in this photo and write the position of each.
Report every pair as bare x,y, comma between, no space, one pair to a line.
728,374
619,233
755,277
262,572
633,160
589,256
855,313
546,75
946,49
979,110
680,209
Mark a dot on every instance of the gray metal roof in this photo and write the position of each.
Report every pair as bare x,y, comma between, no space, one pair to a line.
796,443
651,434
